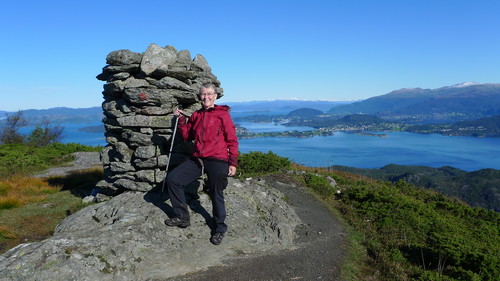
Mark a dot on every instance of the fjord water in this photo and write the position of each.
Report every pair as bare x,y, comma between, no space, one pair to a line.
73,134
361,151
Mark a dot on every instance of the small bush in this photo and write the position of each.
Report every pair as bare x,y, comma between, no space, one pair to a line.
256,162
9,132
44,135
319,184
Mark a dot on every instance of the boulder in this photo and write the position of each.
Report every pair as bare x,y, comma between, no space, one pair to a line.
123,57
125,238
157,57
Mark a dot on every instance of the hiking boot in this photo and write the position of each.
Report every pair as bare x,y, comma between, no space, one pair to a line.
216,239
176,221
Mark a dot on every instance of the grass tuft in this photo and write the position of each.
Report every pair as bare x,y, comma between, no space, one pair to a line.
9,202
30,208
19,190
7,232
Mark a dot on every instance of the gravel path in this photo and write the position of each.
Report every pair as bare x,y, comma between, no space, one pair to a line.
83,160
321,247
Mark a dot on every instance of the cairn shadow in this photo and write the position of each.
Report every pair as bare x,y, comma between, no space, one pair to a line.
159,199
79,183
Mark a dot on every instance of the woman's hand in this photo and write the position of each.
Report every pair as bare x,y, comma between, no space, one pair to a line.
232,171
178,112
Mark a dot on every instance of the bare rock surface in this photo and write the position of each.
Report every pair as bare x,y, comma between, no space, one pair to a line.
278,231
320,247
83,160
126,239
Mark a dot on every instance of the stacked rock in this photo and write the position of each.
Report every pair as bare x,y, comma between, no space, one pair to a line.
141,92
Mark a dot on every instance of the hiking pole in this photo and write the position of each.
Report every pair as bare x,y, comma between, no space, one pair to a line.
170,152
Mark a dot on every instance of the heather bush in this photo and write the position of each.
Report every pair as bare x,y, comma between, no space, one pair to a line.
44,134
256,162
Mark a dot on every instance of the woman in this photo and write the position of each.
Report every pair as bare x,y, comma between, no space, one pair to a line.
215,152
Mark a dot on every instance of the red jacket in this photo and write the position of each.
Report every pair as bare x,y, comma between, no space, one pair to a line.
213,132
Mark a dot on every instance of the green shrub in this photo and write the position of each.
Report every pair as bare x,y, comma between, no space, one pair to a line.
416,234
45,135
319,184
453,240
256,162
25,159
9,131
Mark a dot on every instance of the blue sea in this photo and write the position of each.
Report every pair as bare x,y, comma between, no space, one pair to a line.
361,151
72,133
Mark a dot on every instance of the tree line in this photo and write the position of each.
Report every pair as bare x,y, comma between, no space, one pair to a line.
43,134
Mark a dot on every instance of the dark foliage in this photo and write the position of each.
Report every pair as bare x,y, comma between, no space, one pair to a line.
416,234
256,162
9,131
304,113
479,188
43,134
26,159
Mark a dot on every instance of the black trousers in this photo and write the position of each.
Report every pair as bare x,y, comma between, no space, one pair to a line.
188,172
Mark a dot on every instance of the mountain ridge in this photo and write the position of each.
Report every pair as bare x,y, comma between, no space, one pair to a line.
459,102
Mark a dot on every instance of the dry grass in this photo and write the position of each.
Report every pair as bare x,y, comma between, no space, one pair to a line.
19,190
7,232
32,207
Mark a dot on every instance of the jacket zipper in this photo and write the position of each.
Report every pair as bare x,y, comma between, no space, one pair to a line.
203,133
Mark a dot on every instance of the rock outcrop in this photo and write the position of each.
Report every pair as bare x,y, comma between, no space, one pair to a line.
141,92
125,238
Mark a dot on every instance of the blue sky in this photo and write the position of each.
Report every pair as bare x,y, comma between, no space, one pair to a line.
51,51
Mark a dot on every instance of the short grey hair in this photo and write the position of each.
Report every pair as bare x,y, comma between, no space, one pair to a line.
209,86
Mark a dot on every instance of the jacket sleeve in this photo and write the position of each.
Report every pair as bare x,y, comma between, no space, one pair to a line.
231,140
184,126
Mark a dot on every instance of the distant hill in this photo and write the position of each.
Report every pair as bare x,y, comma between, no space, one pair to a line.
447,104
389,102
483,127
58,115
305,113
355,120
478,188
489,123
279,107
238,109
359,119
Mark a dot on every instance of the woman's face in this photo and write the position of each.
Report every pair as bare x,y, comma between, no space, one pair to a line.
207,98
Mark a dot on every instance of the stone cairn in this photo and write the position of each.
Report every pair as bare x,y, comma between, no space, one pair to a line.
140,94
